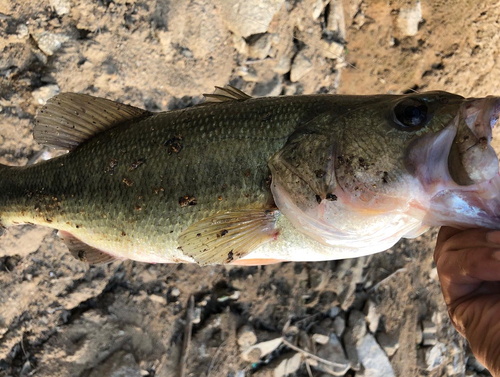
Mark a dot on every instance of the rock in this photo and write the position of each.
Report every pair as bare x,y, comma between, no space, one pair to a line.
61,7
268,88
429,330
339,325
120,364
434,356
332,49
42,94
300,67
283,65
318,8
320,338
248,17
372,316
474,364
247,74
288,366
196,315
159,299
353,335
175,292
246,337
334,311
255,352
259,45
457,366
357,324
336,20
389,342
22,30
49,43
373,358
333,351
409,18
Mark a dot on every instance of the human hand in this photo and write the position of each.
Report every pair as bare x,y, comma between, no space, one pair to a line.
468,265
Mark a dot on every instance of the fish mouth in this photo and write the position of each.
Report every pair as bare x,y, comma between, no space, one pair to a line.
472,160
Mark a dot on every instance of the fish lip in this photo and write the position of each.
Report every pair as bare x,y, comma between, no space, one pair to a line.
472,159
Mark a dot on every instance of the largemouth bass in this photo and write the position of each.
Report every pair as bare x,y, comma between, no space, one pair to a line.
257,180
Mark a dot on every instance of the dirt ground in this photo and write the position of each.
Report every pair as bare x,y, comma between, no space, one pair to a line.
58,317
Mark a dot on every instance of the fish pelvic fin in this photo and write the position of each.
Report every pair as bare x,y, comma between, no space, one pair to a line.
68,119
83,252
228,236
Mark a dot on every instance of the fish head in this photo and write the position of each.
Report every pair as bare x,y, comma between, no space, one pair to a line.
385,167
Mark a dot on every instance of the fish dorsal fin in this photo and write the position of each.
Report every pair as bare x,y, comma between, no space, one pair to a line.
84,252
228,236
228,93
69,119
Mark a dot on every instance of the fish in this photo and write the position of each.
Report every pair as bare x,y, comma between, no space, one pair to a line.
248,181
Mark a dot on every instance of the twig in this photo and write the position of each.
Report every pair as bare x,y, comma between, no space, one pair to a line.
308,368
385,279
312,356
187,337
216,355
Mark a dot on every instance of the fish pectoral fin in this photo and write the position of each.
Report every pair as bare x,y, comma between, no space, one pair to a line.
68,119
228,93
84,252
228,236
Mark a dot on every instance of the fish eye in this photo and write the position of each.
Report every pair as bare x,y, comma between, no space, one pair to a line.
411,114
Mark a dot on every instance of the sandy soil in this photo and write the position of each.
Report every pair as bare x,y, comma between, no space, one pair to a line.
58,317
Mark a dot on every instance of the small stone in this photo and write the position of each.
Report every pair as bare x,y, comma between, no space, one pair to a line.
301,66
354,334
175,292
196,315
22,30
240,44
409,18
372,316
120,364
357,324
49,43
255,352
336,20
318,8
332,49
339,325
433,275
247,74
259,45
61,7
248,17
334,311
269,88
418,334
144,373
283,65
457,366
288,366
389,342
159,299
373,358
44,93
333,351
320,338
434,356
246,337
429,330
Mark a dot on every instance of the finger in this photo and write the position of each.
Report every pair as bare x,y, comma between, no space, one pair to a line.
445,233
453,239
478,263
